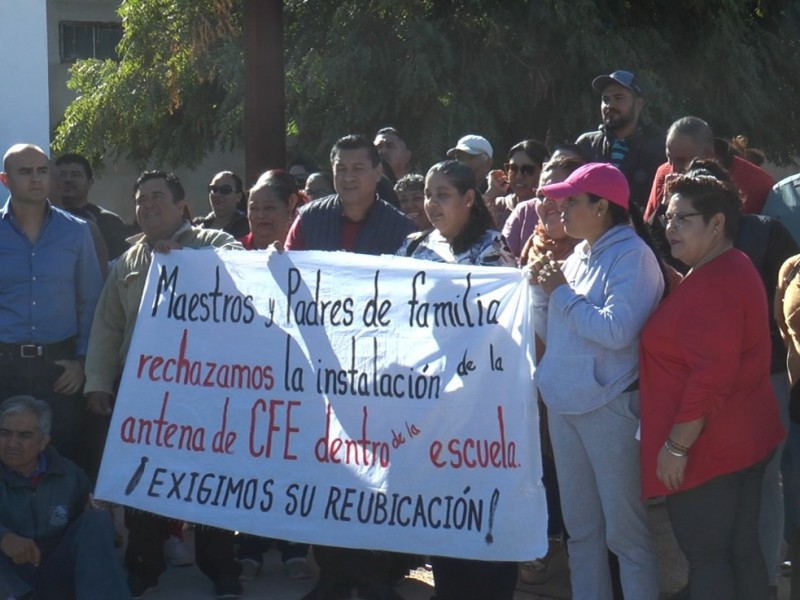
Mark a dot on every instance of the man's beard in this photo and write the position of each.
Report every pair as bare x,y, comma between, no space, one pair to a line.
616,121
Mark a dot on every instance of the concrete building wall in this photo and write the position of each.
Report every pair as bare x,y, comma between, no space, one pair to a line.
23,61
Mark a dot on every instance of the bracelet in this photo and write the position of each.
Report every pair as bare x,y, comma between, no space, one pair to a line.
674,451
677,446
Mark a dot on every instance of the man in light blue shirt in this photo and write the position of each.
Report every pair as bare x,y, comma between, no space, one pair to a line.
49,284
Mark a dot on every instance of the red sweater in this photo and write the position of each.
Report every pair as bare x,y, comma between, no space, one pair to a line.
753,181
705,352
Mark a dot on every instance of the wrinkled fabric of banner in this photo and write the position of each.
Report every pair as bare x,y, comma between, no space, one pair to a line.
333,398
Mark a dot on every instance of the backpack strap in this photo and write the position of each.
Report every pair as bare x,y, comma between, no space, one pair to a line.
418,239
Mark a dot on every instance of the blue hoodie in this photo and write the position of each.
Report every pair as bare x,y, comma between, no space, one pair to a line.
593,324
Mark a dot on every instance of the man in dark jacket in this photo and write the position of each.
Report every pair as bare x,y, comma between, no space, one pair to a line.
354,219
76,181
53,543
621,139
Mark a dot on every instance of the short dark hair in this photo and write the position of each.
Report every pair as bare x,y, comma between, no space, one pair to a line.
303,161
573,149
480,219
356,142
391,131
73,158
236,180
708,187
568,163
173,183
708,166
695,128
409,183
281,183
324,175
534,149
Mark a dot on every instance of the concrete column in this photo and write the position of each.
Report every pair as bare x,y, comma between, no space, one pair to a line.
24,97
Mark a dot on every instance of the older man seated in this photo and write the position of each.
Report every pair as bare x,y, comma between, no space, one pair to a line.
54,544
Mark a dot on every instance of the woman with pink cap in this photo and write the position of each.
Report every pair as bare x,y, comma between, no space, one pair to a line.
589,313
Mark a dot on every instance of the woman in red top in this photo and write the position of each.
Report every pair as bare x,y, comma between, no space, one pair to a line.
709,417
272,205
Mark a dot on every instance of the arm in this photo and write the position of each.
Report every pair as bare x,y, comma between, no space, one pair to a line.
100,248
496,254
529,259
19,549
787,313
633,288
781,308
496,186
540,304
713,346
711,334
512,230
107,337
780,247
672,459
88,283
656,193
226,241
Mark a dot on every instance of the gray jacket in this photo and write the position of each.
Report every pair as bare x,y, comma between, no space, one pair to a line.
591,327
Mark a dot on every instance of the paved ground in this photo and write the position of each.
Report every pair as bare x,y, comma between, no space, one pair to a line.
272,584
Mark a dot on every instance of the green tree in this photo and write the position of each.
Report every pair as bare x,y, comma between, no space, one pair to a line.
175,95
437,69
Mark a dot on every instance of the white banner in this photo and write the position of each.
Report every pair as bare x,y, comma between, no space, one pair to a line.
333,398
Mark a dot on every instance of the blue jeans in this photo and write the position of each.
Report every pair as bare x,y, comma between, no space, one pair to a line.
83,564
716,526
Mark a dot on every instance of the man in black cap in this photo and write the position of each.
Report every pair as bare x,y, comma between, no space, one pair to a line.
635,149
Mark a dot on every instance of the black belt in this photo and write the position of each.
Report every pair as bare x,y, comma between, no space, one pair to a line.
55,351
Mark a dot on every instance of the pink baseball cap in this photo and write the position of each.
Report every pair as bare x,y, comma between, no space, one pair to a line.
601,179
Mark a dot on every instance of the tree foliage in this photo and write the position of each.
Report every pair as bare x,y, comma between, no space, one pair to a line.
437,69
175,96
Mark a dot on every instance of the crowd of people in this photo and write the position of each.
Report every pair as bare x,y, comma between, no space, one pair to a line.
666,329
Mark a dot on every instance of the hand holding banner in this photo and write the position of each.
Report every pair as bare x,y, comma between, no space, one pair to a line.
333,398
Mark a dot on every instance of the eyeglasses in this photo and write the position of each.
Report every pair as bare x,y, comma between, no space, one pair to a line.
525,170
678,220
220,189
